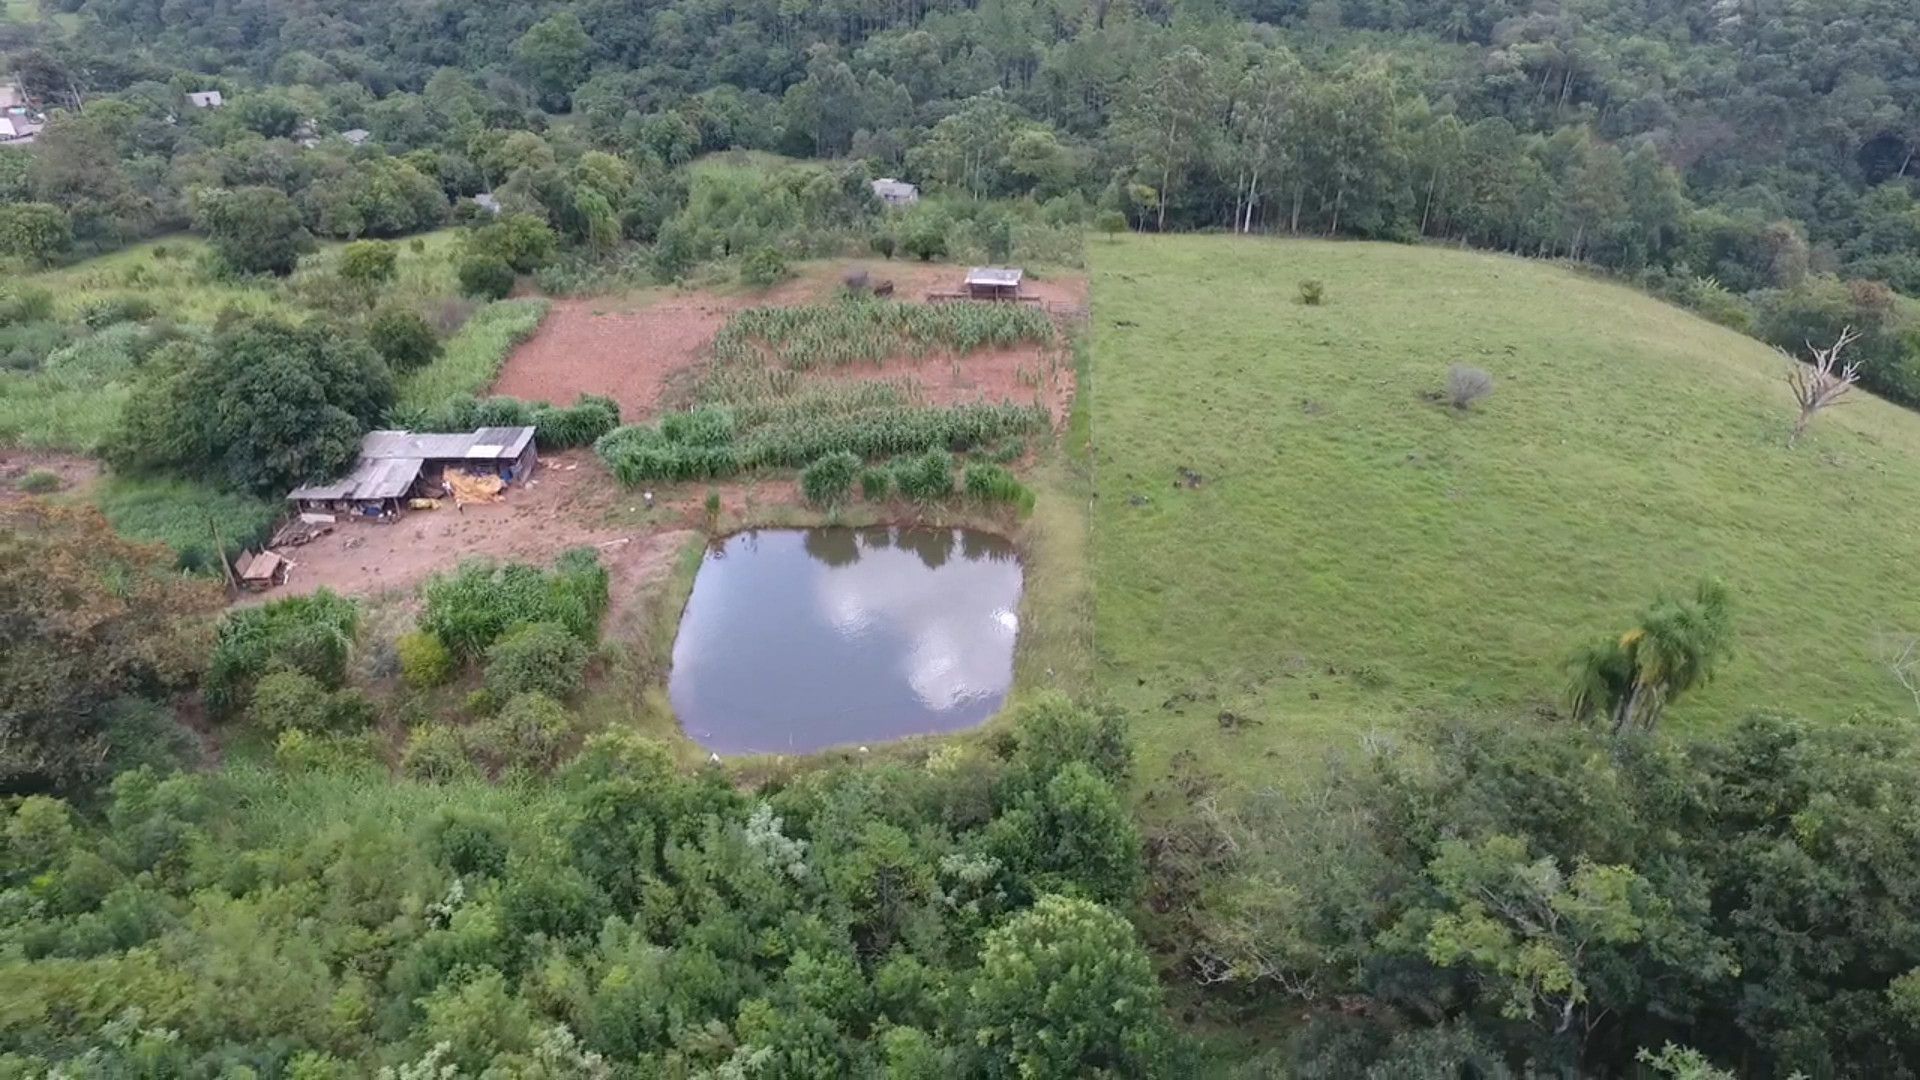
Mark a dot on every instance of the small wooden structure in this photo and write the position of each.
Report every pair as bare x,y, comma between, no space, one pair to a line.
987,283
260,572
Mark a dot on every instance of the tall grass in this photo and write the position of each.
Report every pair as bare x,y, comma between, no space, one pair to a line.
184,515
473,356
853,331
58,411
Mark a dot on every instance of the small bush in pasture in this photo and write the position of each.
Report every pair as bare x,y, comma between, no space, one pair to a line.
25,304
1467,385
875,484
1110,222
528,733
436,752
475,605
990,483
39,482
538,657
580,424
881,243
763,266
828,480
368,262
402,338
712,508
417,245
486,276
1313,292
925,477
424,661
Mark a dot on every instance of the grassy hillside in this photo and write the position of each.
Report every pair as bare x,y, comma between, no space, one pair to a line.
1356,555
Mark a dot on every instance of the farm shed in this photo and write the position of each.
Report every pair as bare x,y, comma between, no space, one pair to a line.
395,464
994,282
895,192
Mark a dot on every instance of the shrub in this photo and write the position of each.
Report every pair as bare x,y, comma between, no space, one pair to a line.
486,276
368,262
1111,222
763,266
1313,292
536,658
109,310
468,843
473,355
24,304
581,424
707,426
1466,385
528,732
290,701
881,243
925,477
989,483
402,338
875,484
827,481
312,635
474,606
424,661
436,752
39,482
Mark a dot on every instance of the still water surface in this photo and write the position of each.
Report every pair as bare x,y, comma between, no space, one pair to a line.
800,639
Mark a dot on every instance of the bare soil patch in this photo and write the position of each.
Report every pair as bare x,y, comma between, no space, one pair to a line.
76,471
572,501
632,348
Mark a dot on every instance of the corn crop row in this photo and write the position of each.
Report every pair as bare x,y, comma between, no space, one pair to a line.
854,331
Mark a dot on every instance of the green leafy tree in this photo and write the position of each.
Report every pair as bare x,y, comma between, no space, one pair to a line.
37,233
555,53
402,338
368,262
255,230
536,657
488,277
1065,990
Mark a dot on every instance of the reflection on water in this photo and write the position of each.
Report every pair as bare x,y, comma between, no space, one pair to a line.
800,639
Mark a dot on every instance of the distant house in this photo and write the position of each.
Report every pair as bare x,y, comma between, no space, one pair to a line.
895,192
206,99
17,130
396,465
356,136
487,201
994,282
12,96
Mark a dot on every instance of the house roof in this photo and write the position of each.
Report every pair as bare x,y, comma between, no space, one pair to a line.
206,99
7,130
356,136
487,201
372,478
11,96
888,188
998,276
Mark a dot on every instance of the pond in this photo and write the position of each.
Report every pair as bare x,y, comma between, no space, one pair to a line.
796,640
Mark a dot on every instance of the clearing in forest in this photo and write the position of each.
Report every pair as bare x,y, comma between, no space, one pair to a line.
1294,544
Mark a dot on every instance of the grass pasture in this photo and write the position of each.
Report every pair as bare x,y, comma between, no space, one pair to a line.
472,357
1354,555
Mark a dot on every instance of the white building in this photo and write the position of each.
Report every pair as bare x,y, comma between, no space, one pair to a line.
206,99
895,192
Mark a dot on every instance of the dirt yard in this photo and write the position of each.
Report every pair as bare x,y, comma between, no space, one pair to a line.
571,502
76,473
630,349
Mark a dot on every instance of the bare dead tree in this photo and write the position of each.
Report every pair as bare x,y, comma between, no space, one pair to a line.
1901,654
1822,382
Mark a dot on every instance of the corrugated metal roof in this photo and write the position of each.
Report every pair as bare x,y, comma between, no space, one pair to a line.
486,444
1000,276
372,478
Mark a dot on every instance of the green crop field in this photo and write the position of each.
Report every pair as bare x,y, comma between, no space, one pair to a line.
1356,557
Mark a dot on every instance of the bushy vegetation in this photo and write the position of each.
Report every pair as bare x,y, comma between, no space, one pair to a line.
924,477
830,478
794,436
402,338
290,700
39,482
310,635
852,331
536,658
474,606
555,427
989,483
856,921
424,661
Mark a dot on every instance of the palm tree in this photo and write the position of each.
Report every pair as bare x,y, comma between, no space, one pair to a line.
1675,648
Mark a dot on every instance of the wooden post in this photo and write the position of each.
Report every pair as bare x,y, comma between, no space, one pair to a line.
220,552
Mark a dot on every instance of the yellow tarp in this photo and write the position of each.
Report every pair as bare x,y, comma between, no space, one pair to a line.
484,488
